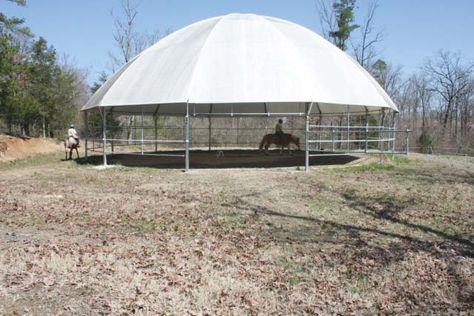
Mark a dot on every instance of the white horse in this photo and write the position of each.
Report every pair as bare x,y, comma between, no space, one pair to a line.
71,143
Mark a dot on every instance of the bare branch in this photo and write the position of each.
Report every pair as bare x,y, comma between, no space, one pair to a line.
364,50
327,19
450,79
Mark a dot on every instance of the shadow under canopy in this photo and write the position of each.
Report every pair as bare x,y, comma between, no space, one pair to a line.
200,159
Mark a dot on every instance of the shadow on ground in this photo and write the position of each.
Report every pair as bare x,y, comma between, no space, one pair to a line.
219,159
363,241
387,208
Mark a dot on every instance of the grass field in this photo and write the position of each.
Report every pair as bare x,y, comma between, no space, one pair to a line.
367,238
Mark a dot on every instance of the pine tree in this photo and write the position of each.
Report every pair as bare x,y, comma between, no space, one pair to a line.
344,12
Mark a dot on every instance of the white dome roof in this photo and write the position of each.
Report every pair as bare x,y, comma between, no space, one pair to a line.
242,63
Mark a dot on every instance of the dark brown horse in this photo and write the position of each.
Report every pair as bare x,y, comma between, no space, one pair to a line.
71,143
285,141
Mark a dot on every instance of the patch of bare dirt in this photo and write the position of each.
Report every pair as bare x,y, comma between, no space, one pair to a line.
14,148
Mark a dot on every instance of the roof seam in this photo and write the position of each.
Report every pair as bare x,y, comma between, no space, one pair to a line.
303,69
191,81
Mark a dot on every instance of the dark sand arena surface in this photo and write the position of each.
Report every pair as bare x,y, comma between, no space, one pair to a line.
203,159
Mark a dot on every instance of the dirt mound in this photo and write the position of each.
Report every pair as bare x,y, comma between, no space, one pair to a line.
12,148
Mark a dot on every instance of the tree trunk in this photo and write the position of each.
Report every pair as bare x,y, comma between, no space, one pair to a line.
26,129
447,114
44,126
129,129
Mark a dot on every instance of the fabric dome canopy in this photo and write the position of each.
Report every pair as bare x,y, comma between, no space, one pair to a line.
242,63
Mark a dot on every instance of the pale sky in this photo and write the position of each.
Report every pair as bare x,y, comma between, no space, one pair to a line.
82,29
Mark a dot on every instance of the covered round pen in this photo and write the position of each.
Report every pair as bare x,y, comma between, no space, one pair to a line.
247,65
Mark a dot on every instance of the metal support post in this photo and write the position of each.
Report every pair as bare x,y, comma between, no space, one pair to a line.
366,131
306,135
332,137
348,128
210,127
112,142
382,136
86,131
210,132
134,130
340,133
380,145
238,130
320,131
155,123
408,139
142,132
186,141
393,135
104,139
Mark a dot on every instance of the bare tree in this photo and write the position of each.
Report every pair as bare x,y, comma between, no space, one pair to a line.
124,34
129,41
416,98
423,97
126,38
449,78
388,76
327,18
467,112
364,44
364,48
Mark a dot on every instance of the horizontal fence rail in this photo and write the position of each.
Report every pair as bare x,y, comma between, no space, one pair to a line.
149,135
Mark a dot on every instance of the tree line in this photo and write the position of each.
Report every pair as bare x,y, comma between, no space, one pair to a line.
436,101
39,93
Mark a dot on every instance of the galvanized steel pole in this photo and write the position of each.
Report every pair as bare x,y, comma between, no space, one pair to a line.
186,141
332,137
408,139
142,132
348,128
155,123
86,131
104,139
394,137
366,131
210,133
306,135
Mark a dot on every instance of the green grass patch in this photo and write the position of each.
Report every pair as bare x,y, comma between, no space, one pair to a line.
234,221
147,226
139,170
403,160
295,280
389,164
295,270
372,167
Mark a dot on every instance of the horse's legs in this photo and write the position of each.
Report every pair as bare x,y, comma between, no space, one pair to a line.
77,153
266,148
